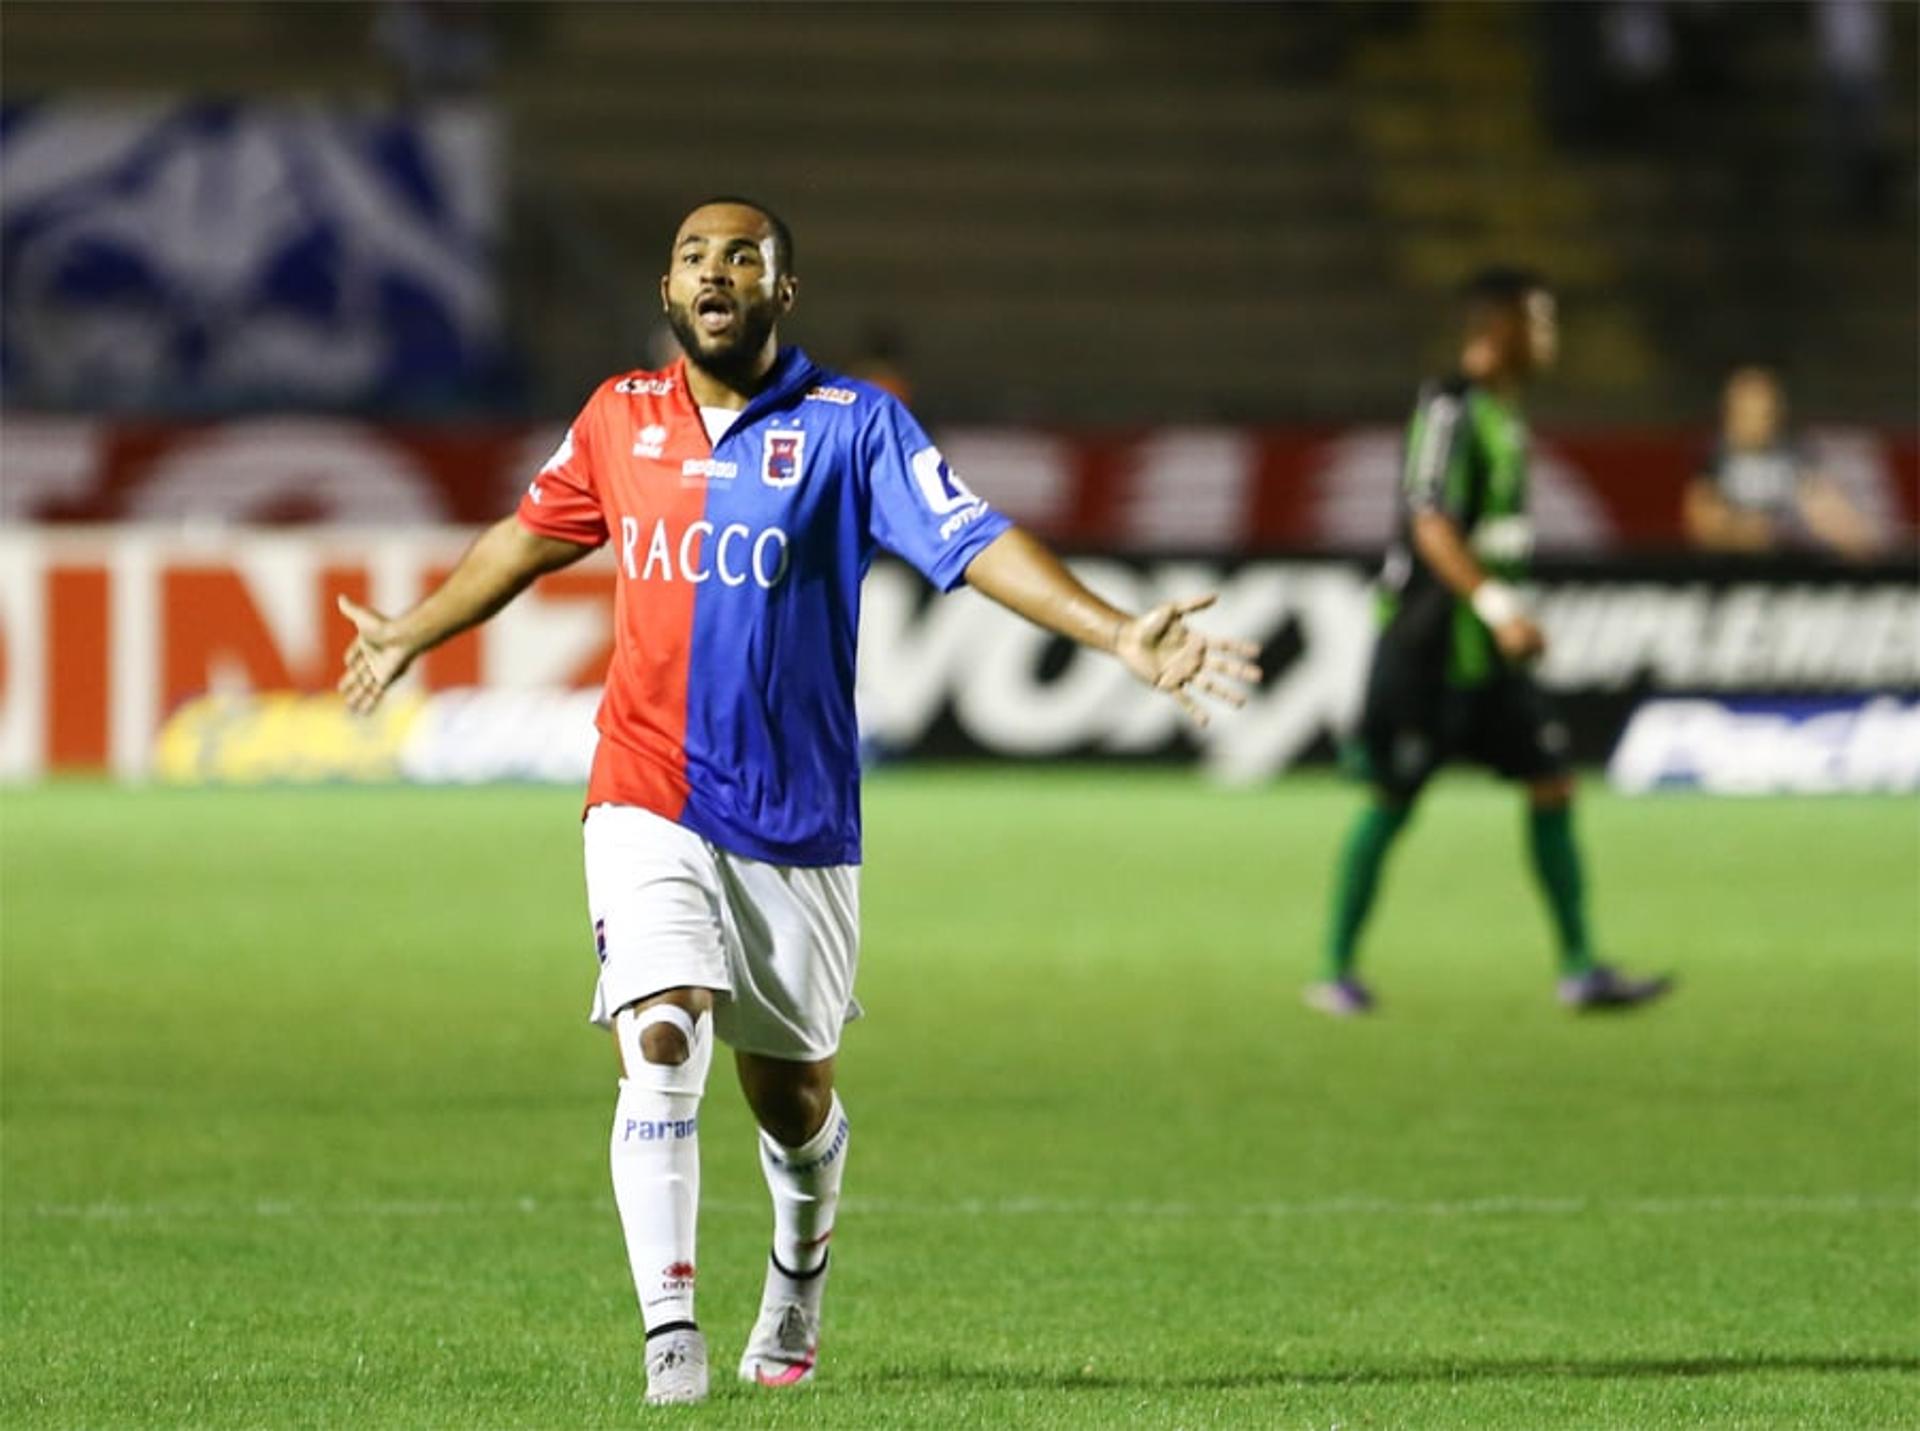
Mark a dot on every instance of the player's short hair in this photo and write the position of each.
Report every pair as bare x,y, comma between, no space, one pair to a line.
782,235
1501,285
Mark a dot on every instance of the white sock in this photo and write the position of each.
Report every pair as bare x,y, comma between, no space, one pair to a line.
805,1183
655,1159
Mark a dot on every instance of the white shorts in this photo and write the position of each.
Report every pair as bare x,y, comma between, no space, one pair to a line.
777,944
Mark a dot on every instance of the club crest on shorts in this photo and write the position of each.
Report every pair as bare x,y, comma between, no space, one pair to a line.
782,463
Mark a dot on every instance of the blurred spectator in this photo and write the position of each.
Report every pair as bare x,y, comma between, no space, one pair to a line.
1852,44
1613,72
1761,491
1638,41
438,48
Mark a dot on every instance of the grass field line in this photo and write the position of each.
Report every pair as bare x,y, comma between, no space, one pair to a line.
1493,1205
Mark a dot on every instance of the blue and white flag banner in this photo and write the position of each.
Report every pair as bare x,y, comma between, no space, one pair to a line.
219,255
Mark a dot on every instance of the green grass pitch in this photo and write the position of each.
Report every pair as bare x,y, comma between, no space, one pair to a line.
303,1125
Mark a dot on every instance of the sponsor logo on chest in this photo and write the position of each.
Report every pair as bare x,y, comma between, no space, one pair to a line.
731,553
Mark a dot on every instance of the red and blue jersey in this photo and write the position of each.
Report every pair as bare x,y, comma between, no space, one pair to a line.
729,703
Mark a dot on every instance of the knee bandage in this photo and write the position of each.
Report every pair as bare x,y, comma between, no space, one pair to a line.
688,1077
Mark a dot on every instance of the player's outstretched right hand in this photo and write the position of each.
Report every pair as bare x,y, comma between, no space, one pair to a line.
375,659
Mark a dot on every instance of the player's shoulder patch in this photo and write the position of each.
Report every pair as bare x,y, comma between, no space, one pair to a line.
828,392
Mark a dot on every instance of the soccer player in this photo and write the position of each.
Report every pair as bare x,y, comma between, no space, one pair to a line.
1449,674
744,491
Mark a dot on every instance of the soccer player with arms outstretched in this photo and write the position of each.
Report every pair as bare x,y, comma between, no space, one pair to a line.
1450,671
744,492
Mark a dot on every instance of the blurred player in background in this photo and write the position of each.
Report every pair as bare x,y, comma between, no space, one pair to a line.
1449,675
1761,491
745,491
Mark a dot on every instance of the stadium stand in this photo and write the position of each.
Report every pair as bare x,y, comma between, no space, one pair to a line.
1710,235
1094,214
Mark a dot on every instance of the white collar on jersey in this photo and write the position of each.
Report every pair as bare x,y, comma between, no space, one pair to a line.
718,420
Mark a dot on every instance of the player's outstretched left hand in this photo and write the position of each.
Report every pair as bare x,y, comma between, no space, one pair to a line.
1163,651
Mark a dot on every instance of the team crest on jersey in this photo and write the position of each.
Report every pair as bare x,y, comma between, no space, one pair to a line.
785,453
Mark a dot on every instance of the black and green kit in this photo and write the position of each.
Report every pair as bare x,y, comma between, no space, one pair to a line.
1439,688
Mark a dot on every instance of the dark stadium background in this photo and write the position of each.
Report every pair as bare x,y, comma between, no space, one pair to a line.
295,296
1163,278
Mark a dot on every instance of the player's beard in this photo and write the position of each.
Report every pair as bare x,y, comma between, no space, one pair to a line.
733,357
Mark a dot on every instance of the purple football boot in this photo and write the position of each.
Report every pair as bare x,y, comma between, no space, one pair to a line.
1343,998
1603,989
